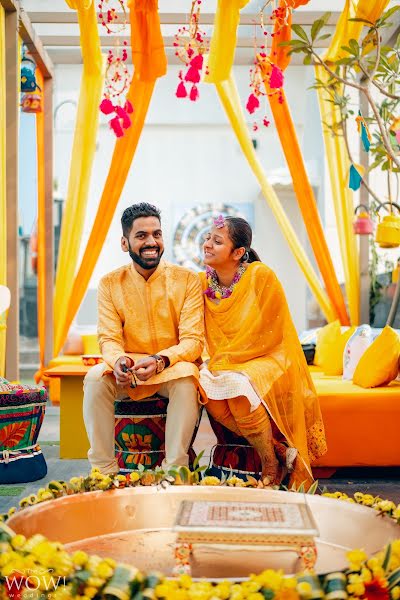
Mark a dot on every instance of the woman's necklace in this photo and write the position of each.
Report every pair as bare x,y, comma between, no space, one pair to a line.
215,290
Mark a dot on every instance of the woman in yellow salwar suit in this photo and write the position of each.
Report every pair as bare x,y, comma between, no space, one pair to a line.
256,382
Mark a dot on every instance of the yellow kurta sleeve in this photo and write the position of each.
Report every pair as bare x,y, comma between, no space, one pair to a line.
190,327
109,326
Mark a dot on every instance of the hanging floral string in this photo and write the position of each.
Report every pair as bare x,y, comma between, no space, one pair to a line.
117,78
279,19
190,46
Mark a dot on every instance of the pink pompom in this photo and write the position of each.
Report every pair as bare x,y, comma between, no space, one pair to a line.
128,107
123,115
116,127
252,103
181,91
192,75
106,106
197,62
194,93
276,77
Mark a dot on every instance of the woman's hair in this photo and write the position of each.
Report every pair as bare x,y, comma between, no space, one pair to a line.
241,235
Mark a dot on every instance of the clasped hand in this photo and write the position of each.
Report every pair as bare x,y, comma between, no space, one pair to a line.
125,367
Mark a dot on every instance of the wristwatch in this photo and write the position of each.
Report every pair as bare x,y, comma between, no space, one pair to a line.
160,364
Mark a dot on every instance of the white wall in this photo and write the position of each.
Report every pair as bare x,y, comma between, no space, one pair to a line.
187,155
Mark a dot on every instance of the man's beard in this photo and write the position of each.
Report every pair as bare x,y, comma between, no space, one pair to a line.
146,262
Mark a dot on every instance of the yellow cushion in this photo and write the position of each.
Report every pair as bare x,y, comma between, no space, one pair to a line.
326,336
90,344
332,362
380,362
65,359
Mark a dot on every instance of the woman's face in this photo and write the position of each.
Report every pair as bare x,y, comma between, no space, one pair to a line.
218,249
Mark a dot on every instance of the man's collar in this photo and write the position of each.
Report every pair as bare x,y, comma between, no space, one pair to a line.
160,269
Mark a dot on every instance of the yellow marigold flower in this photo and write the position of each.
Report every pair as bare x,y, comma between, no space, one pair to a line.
18,541
357,589
46,496
79,558
395,592
236,481
90,592
111,562
287,594
103,570
183,594
161,590
304,589
95,582
396,512
251,586
134,477
385,506
210,480
255,596
94,470
367,500
289,583
185,581
218,295
222,590
11,511
270,579
366,574
356,558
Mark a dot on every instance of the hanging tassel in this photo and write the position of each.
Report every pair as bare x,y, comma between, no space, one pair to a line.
363,131
355,178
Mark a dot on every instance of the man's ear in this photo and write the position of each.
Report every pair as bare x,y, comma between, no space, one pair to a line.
124,244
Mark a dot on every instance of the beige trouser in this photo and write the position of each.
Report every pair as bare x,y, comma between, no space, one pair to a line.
100,392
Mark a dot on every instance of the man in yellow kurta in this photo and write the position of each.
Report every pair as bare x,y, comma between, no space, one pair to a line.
151,333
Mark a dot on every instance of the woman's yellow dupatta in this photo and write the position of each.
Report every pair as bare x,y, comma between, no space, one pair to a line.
252,332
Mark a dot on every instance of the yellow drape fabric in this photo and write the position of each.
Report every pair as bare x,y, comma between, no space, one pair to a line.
41,231
140,92
3,205
223,41
231,102
337,159
274,362
82,157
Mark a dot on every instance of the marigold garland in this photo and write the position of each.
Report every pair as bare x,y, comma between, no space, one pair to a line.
37,568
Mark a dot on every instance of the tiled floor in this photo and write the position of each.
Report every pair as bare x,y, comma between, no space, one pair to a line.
384,482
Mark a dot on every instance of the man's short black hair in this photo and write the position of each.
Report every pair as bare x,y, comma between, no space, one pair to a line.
143,209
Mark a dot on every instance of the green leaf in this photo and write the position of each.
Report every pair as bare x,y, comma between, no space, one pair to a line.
325,36
316,28
300,32
387,557
358,20
354,47
197,460
313,488
307,60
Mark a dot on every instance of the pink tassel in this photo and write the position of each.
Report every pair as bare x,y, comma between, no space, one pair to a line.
128,107
192,75
252,103
276,77
197,62
121,112
194,93
106,106
181,91
116,127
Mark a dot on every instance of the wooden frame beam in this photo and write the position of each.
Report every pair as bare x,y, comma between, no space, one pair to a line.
35,46
299,17
49,210
12,116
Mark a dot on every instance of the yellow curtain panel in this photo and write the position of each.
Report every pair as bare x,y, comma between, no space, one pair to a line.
41,224
82,157
223,41
229,97
145,27
337,159
3,206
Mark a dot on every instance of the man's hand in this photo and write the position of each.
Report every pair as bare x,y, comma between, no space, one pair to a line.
145,368
123,377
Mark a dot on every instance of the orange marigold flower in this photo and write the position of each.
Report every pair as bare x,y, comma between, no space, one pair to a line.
376,590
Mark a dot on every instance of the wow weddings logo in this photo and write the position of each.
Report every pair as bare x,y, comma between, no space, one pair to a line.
30,580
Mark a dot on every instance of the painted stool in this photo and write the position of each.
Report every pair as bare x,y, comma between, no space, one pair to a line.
22,410
232,455
140,433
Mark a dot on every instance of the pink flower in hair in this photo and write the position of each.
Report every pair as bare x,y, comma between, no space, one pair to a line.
219,222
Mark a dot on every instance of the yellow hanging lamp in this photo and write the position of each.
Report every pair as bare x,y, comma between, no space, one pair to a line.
388,229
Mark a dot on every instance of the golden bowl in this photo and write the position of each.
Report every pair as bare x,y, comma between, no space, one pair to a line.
134,525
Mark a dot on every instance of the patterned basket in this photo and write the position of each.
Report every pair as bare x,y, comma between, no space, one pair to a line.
140,433
232,455
21,415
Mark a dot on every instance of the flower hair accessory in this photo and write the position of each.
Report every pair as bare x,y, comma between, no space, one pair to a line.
219,222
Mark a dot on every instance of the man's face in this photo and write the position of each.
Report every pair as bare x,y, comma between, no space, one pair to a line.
145,242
